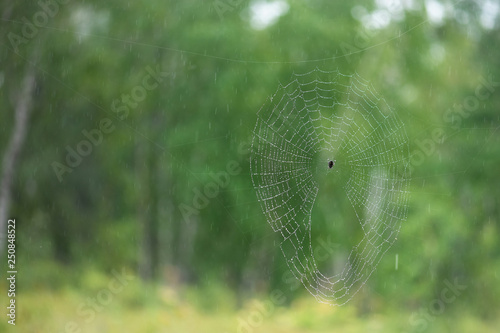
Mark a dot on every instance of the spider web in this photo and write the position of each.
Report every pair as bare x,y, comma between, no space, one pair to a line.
307,123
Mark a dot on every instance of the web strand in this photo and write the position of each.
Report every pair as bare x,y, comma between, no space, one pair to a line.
317,115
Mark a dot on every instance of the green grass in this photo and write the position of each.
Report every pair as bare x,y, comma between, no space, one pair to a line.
142,308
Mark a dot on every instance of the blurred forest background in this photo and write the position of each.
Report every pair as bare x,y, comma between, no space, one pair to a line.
116,115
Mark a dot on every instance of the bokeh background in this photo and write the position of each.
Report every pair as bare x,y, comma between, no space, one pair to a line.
116,115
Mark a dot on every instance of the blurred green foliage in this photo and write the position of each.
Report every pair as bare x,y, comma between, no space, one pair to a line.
120,207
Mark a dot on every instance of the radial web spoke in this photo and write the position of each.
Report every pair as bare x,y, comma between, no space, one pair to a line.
319,113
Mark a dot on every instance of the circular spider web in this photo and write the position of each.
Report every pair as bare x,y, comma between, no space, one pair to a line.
318,118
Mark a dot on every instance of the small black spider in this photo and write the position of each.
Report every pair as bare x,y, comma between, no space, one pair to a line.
331,164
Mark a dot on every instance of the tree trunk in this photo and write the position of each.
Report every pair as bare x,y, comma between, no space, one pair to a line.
10,159
148,215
